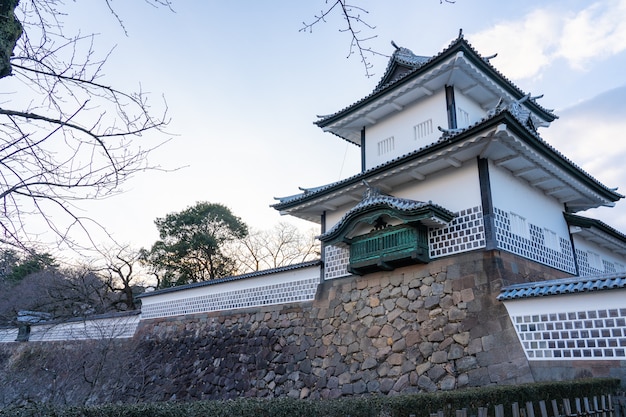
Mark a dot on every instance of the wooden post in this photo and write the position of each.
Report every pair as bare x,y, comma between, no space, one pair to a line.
543,409
499,409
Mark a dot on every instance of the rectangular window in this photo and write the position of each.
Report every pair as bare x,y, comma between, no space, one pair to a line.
551,240
423,129
519,226
462,118
595,261
385,146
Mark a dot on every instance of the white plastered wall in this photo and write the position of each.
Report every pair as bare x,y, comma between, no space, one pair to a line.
294,285
580,326
401,127
514,195
467,111
454,189
618,262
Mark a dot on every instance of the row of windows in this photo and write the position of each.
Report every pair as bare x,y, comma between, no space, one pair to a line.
422,130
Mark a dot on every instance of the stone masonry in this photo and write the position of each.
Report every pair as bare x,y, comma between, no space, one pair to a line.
421,328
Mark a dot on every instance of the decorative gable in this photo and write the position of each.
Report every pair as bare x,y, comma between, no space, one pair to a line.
383,232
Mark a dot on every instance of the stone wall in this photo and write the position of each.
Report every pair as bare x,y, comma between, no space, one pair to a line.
421,328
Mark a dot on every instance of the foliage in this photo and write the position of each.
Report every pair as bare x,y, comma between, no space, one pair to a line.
366,406
15,268
192,243
65,135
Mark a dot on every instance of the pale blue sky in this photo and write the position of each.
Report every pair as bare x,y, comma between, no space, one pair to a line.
244,87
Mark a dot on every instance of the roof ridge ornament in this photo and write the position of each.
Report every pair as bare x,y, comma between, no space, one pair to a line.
449,132
371,191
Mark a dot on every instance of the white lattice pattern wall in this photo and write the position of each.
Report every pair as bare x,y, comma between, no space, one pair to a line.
8,335
581,326
254,296
466,232
534,246
108,328
337,260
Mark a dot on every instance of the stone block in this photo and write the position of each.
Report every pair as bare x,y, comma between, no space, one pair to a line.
403,303
475,346
431,302
436,336
399,345
440,356
466,363
436,373
478,377
401,383
462,338
467,295
422,368
386,385
373,331
456,351
369,363
426,349
426,384
395,359
448,383
412,338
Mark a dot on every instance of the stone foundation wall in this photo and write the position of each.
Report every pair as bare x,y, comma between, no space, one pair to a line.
421,328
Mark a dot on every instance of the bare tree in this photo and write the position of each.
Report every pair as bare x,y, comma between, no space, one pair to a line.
283,245
356,26
123,274
69,136
63,294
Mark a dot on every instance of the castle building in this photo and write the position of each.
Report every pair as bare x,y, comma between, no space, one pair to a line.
477,220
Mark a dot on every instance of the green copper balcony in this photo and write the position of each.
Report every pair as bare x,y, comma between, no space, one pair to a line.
388,248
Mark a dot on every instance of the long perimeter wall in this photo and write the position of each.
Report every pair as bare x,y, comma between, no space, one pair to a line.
421,328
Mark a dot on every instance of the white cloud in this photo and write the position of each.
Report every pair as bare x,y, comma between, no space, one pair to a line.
595,32
530,44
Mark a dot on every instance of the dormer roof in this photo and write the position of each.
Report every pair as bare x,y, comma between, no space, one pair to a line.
409,78
376,204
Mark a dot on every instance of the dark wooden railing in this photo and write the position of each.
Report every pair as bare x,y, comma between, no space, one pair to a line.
388,247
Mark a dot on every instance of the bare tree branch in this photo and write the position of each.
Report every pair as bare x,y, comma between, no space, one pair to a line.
66,136
355,26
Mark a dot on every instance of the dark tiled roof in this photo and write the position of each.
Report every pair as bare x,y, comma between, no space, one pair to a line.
375,200
586,222
232,278
420,64
564,286
449,137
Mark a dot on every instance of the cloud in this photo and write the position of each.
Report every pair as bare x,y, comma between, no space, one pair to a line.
590,134
595,32
530,44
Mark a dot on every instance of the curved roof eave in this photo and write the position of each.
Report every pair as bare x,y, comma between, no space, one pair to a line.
561,286
530,138
458,45
405,209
